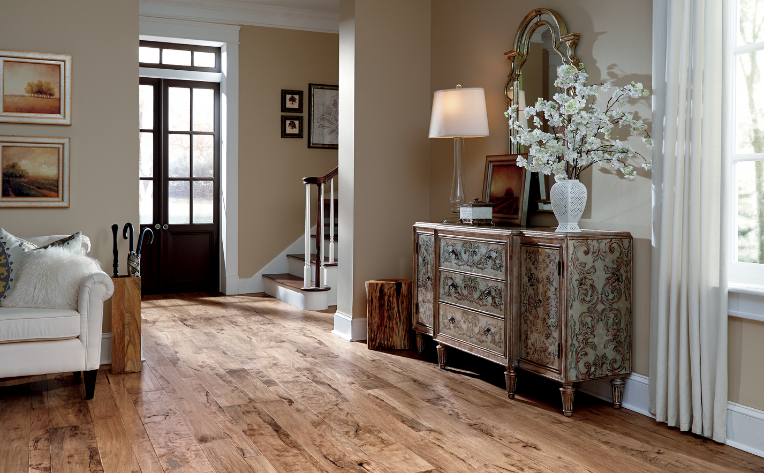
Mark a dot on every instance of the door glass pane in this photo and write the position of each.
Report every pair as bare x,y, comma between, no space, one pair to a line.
146,107
146,157
179,118
749,104
176,57
204,59
751,14
203,202
203,156
178,202
204,110
749,176
179,158
146,202
149,55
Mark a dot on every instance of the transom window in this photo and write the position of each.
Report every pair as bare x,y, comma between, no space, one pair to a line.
179,56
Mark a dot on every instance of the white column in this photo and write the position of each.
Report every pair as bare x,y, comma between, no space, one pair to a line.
306,269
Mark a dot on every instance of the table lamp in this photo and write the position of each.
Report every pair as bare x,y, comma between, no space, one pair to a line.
458,113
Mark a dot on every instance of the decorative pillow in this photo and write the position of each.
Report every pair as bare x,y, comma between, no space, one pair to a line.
12,248
50,279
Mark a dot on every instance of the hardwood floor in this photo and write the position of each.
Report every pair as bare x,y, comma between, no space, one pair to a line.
250,384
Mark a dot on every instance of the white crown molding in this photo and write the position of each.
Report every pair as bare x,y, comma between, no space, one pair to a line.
232,12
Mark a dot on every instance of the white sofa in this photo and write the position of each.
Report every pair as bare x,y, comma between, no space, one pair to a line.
43,341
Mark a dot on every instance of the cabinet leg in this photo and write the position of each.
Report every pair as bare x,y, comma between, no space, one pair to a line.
567,391
511,378
618,384
441,356
420,343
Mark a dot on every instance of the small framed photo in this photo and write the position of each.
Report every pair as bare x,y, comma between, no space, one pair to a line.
34,171
506,185
323,116
36,88
291,101
291,126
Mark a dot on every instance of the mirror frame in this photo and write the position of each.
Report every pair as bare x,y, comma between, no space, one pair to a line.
519,54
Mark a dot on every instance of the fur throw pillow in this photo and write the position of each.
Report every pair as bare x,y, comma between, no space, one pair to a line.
50,279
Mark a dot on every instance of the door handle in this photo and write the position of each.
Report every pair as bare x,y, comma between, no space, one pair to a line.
165,226
157,226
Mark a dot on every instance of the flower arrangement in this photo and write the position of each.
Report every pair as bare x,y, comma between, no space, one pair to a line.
582,132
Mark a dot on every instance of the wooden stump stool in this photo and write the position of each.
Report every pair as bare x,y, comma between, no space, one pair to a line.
388,312
126,325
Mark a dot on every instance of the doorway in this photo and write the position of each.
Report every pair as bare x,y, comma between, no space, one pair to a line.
179,168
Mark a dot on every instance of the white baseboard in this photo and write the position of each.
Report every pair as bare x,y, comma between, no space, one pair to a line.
745,428
745,425
278,265
231,286
349,328
636,393
106,348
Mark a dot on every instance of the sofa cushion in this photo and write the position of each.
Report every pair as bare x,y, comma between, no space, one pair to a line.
18,325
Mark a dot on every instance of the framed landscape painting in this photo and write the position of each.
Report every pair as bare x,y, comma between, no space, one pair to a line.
36,88
34,171
323,116
506,186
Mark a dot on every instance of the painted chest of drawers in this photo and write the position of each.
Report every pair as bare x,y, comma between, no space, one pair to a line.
555,304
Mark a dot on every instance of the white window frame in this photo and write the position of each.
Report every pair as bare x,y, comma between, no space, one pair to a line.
741,275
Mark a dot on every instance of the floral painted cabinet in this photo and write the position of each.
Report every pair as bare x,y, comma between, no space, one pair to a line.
573,308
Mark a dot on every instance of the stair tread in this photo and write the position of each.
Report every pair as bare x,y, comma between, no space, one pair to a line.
290,280
301,257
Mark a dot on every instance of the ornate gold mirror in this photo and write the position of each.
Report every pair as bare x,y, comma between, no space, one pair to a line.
542,44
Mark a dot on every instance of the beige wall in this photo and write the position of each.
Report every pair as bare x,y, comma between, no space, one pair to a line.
102,38
388,68
746,370
271,168
468,44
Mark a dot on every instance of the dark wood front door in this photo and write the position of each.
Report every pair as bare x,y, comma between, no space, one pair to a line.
180,185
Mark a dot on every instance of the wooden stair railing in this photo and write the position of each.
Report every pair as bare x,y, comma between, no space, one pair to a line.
320,275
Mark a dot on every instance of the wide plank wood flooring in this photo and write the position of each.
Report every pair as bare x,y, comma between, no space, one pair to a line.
250,384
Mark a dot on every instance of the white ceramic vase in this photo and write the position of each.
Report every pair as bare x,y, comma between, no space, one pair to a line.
568,202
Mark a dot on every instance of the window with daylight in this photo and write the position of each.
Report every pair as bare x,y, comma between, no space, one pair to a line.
747,143
187,57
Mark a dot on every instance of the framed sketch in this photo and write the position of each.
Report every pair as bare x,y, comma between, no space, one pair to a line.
323,116
34,171
36,88
506,185
291,101
291,126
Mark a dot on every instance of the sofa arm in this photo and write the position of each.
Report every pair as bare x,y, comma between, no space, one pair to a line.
94,290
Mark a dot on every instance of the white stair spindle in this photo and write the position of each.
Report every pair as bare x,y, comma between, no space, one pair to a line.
321,256
306,269
331,221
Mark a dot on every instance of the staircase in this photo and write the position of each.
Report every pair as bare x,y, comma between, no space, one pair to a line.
311,283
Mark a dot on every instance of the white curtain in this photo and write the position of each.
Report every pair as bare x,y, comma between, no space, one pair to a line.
688,326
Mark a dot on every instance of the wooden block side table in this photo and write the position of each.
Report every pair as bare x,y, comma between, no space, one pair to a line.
126,325
388,313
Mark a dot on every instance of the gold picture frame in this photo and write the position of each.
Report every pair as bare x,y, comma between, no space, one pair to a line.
35,88
34,172
507,186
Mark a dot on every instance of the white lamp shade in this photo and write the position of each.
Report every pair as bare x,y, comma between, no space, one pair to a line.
459,112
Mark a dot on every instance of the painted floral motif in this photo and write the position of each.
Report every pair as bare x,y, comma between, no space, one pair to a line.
599,312
483,331
539,305
472,292
478,257
425,277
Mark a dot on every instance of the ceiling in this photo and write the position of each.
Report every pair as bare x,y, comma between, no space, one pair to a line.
324,6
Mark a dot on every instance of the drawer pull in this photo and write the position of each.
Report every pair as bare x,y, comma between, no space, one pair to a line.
428,279
487,331
451,320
